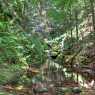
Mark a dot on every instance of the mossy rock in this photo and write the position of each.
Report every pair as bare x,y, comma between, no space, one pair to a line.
41,90
76,90
63,91
8,72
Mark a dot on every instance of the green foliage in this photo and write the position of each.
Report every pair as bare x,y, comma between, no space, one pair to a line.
34,50
61,22
8,47
14,45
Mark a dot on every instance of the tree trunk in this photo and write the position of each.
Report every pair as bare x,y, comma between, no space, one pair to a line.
76,20
93,15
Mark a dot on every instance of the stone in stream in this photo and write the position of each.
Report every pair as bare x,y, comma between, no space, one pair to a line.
40,90
76,90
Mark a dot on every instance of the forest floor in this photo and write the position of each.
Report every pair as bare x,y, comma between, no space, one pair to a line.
20,90
9,89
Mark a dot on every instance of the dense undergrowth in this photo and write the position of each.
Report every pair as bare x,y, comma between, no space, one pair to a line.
44,40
